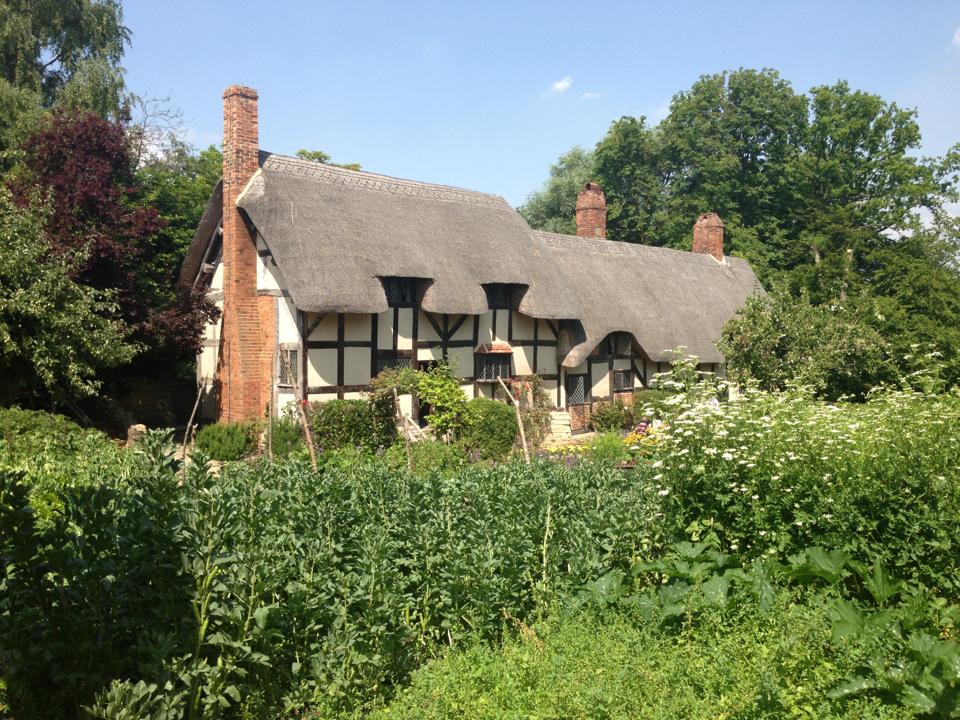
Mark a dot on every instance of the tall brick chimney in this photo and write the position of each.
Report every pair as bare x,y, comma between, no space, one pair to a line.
708,236
591,212
246,356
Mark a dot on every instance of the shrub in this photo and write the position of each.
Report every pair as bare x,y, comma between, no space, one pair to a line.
227,441
55,453
607,417
650,403
614,665
782,341
608,449
440,389
489,429
350,423
535,407
427,456
286,436
775,473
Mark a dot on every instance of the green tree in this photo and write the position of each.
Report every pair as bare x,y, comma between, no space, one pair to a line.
553,208
320,156
630,169
787,340
44,44
56,335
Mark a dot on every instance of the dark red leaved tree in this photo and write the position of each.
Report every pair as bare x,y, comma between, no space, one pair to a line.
83,162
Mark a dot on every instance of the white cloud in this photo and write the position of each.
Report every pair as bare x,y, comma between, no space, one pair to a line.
557,87
956,38
590,95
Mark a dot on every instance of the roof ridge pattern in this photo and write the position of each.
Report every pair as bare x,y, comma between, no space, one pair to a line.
602,246
333,175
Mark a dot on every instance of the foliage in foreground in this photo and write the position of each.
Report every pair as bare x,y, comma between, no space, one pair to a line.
614,665
271,589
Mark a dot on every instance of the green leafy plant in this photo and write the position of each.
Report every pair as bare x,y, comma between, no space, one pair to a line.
488,430
227,441
439,388
350,423
611,417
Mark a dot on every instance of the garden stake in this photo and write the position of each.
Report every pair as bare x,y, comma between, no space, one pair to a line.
406,432
303,413
186,433
516,409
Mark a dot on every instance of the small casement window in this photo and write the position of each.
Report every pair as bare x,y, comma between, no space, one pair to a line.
576,389
618,343
491,366
289,366
622,380
400,291
388,359
498,296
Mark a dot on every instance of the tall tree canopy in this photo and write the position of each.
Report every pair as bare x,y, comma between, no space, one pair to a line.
45,43
114,234
824,193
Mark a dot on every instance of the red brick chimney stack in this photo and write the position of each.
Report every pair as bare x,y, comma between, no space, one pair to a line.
246,351
708,236
591,212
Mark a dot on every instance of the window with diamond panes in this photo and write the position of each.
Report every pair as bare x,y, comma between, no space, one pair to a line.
622,380
393,361
576,389
491,366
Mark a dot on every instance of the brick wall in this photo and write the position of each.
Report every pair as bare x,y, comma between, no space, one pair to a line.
248,341
591,212
708,236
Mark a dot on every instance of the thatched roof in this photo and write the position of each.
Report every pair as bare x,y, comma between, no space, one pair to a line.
664,298
334,233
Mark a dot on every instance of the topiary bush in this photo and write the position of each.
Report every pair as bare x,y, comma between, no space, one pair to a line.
350,423
489,429
227,441
610,417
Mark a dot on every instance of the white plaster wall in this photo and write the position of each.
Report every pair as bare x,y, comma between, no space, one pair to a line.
598,379
326,330
385,330
356,327
322,367
405,329
465,331
425,330
523,360
269,276
356,366
522,326
287,330
485,334
546,360
462,361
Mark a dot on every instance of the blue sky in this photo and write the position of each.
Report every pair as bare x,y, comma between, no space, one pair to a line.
486,95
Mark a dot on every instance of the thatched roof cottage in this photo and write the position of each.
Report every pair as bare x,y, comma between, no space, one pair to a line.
337,274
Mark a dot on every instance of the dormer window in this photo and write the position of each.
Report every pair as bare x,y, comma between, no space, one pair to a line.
498,296
400,291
